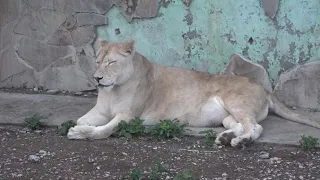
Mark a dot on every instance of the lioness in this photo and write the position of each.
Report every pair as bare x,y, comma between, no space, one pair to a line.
131,86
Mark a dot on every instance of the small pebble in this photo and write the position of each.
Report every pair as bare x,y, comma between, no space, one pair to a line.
264,155
37,131
78,93
34,158
53,91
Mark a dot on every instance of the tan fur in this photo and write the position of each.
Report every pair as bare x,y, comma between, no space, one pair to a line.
131,86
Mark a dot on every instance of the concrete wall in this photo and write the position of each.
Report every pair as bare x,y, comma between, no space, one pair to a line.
51,43
48,42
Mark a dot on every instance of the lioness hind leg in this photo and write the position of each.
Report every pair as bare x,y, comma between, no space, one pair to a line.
248,106
252,131
234,129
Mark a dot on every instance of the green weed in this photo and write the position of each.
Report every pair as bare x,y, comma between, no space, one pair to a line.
157,169
136,174
308,142
64,128
185,174
163,130
34,122
127,130
158,173
168,129
209,137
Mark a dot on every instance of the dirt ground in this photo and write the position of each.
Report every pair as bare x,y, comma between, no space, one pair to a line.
46,155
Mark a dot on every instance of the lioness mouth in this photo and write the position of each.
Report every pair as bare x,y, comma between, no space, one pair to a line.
101,85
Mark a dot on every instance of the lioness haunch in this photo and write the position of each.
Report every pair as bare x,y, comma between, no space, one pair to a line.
131,86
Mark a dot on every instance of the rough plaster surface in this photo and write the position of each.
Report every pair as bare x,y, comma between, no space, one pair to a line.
204,35
300,87
15,107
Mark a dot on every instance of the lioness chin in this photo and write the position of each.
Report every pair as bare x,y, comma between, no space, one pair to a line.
131,86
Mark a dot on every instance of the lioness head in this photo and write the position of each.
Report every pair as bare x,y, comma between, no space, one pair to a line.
114,63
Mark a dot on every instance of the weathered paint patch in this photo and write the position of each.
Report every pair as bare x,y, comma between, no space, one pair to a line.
188,18
205,35
270,7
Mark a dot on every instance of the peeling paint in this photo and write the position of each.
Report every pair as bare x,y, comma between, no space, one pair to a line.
132,5
165,3
245,51
191,35
270,7
292,47
117,31
250,41
187,2
188,18
230,37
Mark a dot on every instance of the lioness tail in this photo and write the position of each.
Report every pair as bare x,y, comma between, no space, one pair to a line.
280,109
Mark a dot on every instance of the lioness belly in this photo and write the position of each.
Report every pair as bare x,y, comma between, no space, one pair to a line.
209,114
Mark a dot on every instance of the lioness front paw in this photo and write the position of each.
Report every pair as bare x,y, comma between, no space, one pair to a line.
81,132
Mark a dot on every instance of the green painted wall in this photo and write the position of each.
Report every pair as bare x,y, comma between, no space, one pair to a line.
204,36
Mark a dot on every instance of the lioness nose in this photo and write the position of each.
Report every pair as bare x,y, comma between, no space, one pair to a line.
98,78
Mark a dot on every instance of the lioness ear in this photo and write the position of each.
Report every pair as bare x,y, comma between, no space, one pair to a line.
129,46
102,42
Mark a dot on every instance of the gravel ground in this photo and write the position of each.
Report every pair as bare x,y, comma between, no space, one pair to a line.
46,155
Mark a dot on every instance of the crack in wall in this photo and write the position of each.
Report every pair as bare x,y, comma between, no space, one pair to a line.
87,76
10,77
23,61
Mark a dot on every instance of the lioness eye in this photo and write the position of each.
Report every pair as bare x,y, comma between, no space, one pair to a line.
110,63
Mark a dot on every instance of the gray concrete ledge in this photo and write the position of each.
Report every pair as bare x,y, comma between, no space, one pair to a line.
14,107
